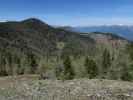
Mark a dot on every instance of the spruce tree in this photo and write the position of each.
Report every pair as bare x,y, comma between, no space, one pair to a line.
91,68
126,75
32,63
129,71
106,61
3,71
68,70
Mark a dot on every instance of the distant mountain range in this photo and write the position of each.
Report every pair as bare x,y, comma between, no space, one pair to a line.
122,30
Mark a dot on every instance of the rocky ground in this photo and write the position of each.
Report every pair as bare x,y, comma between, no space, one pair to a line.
21,88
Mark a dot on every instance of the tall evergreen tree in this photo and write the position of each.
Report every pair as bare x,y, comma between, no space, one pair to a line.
130,50
106,61
126,74
3,71
68,70
91,68
32,63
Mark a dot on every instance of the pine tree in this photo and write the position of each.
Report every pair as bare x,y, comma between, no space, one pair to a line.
126,75
68,70
91,68
59,72
10,63
3,71
106,61
130,50
3,68
32,63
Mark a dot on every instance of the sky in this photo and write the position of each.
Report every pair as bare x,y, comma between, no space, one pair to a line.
69,12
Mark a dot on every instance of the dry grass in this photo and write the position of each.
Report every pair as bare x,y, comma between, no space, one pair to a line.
10,80
30,88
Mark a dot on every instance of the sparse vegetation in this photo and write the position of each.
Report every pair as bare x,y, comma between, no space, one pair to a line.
29,88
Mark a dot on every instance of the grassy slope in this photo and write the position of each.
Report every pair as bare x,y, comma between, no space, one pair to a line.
81,89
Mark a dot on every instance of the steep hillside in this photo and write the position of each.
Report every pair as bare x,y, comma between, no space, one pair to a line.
38,37
109,39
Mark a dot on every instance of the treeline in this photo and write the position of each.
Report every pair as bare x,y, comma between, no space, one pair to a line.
92,69
12,63
109,65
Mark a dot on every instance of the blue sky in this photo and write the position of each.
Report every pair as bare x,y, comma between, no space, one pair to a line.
69,12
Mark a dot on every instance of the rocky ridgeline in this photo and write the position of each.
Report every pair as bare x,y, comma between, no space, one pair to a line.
82,89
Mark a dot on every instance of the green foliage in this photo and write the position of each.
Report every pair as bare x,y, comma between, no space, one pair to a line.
126,74
68,72
91,67
106,61
45,68
22,44
59,72
130,50
42,67
32,63
17,64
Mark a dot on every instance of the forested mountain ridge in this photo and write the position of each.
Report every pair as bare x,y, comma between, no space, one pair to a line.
37,36
34,47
